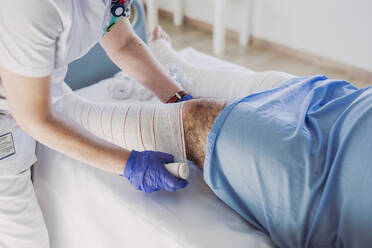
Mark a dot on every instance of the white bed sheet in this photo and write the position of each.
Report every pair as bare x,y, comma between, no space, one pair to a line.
87,207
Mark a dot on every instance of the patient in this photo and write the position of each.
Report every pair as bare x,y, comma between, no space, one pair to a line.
291,155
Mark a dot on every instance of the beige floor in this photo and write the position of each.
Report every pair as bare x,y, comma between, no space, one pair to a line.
252,57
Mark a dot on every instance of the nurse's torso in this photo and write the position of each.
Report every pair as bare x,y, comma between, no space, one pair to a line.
81,25
84,24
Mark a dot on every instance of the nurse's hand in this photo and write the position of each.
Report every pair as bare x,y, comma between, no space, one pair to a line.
146,171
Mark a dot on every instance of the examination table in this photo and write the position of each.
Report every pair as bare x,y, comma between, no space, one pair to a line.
87,207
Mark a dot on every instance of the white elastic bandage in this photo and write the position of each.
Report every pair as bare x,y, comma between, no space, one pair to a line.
156,127
228,81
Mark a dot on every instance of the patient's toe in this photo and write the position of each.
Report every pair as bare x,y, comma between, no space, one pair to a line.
159,33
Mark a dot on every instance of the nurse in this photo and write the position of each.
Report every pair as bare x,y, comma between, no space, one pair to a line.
38,39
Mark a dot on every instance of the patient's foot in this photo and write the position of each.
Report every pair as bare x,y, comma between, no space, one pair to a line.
158,33
161,47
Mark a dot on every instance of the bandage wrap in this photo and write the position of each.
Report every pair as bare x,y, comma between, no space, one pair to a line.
157,127
228,83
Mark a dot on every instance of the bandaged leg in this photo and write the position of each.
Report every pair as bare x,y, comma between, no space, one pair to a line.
228,83
157,127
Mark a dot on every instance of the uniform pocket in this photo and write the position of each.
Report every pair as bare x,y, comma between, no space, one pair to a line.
24,147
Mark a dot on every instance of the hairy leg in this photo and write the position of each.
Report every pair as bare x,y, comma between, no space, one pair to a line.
198,119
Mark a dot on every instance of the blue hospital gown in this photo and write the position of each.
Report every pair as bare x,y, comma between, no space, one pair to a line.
296,162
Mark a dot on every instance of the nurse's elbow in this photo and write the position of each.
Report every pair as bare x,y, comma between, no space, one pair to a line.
115,48
130,44
33,125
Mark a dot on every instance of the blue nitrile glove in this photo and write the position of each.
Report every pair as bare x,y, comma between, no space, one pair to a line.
146,171
186,98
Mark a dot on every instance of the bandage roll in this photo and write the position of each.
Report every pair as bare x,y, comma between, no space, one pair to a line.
143,94
180,170
176,73
120,89
122,76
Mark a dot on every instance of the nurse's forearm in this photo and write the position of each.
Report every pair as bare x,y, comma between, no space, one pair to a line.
132,55
30,105
63,135
139,62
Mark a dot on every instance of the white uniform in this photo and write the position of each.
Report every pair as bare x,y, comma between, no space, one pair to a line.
37,38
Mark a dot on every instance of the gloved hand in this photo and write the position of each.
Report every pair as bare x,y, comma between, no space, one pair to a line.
186,98
146,171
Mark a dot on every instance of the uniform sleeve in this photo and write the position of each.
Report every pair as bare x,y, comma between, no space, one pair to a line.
29,30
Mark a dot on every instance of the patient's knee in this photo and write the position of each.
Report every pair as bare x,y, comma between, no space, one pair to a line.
198,119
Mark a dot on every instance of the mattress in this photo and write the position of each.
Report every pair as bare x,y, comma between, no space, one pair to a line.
86,207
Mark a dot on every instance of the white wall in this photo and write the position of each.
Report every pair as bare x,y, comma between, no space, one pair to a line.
336,29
